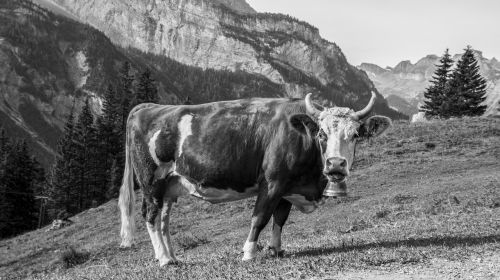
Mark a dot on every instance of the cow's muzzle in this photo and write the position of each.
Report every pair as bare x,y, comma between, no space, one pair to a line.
336,176
335,169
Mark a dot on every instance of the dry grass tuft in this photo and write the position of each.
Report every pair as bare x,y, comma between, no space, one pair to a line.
71,257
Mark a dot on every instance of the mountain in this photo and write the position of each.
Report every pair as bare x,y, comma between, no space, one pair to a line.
216,35
57,53
403,85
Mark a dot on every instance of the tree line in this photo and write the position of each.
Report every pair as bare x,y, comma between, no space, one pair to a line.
21,181
455,92
89,166
89,163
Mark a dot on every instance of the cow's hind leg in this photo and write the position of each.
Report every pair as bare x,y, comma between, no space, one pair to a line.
280,215
267,200
165,224
153,224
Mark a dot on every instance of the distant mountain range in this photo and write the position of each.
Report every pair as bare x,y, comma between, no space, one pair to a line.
403,85
55,54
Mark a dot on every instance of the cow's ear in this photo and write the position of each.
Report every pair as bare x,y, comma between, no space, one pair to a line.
304,124
374,126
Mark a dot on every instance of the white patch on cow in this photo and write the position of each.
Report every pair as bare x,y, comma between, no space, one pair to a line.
152,147
157,244
161,253
182,186
249,250
304,205
184,127
338,119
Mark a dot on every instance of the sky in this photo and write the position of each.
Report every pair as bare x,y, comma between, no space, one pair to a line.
386,32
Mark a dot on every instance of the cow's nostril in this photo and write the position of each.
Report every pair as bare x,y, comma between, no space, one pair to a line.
336,162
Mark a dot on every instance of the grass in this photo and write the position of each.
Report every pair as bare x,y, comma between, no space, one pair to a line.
424,202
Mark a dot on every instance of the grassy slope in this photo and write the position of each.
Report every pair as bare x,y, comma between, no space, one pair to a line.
425,200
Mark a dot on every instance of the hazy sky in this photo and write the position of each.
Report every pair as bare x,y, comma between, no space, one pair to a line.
388,31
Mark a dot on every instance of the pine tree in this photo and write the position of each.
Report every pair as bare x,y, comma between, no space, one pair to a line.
60,181
467,87
110,134
435,103
84,143
115,176
4,143
111,106
146,90
125,90
18,179
109,125
6,207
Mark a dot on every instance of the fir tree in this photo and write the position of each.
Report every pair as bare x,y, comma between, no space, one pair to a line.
146,90
60,180
467,87
109,134
115,176
111,106
84,143
125,90
435,103
4,143
18,180
109,125
5,205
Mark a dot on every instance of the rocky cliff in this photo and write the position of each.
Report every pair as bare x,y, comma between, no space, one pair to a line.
403,86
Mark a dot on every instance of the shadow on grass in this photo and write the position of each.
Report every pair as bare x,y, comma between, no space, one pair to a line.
448,241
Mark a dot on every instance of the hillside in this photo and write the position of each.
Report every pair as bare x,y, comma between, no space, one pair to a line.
424,203
403,85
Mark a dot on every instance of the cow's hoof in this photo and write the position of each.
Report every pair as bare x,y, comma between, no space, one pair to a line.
275,253
125,245
248,257
166,261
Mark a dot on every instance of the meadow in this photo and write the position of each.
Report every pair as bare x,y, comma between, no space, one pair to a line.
424,202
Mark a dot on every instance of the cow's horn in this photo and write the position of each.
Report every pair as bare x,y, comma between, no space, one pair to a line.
364,112
311,110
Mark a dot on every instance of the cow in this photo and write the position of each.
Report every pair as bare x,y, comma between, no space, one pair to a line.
284,151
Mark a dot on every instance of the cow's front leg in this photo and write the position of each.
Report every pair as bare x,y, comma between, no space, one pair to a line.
267,200
280,215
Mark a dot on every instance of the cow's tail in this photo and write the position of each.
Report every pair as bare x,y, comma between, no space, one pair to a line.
127,198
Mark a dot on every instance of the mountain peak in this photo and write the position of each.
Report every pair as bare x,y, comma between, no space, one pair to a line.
373,68
240,6
403,66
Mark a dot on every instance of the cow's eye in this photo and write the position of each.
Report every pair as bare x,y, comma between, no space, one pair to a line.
322,135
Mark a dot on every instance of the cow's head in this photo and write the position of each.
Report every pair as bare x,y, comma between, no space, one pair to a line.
337,129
